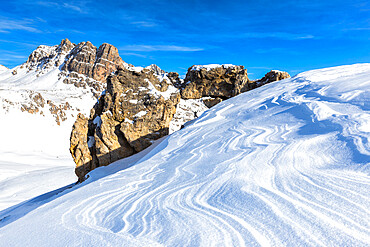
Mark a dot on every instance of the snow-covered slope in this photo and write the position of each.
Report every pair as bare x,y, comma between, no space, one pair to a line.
37,111
286,164
3,68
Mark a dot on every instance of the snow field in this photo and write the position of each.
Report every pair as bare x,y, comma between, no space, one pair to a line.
286,164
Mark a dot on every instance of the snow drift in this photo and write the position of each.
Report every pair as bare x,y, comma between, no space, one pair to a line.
286,164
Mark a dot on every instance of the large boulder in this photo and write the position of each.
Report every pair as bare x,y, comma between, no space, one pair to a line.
215,82
224,81
273,75
136,109
79,144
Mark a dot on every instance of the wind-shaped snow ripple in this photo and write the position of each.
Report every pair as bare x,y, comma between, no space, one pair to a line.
286,164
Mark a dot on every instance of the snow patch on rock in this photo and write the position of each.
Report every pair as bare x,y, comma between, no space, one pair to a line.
212,66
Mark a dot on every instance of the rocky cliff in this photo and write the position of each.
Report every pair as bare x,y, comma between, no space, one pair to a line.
88,66
141,105
135,110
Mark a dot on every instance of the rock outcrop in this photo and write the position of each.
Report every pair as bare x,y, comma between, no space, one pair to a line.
215,83
135,110
46,57
141,105
273,75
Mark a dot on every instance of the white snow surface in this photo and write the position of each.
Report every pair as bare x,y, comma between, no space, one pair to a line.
3,68
166,94
186,110
140,114
286,164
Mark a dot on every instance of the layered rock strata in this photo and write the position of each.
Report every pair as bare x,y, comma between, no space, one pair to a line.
86,65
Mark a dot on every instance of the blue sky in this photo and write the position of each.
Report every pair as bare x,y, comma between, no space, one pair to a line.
261,35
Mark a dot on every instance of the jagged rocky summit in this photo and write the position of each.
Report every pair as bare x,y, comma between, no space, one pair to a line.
59,81
141,105
82,65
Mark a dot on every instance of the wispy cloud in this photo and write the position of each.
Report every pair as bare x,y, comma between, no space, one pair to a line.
278,35
73,7
133,54
148,48
144,23
31,44
47,4
10,59
25,25
357,29
63,5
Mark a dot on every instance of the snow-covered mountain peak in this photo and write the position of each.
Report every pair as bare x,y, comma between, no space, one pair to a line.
155,69
45,57
62,76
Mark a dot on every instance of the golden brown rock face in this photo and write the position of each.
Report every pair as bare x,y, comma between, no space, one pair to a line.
217,83
89,66
79,146
136,109
107,61
273,75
